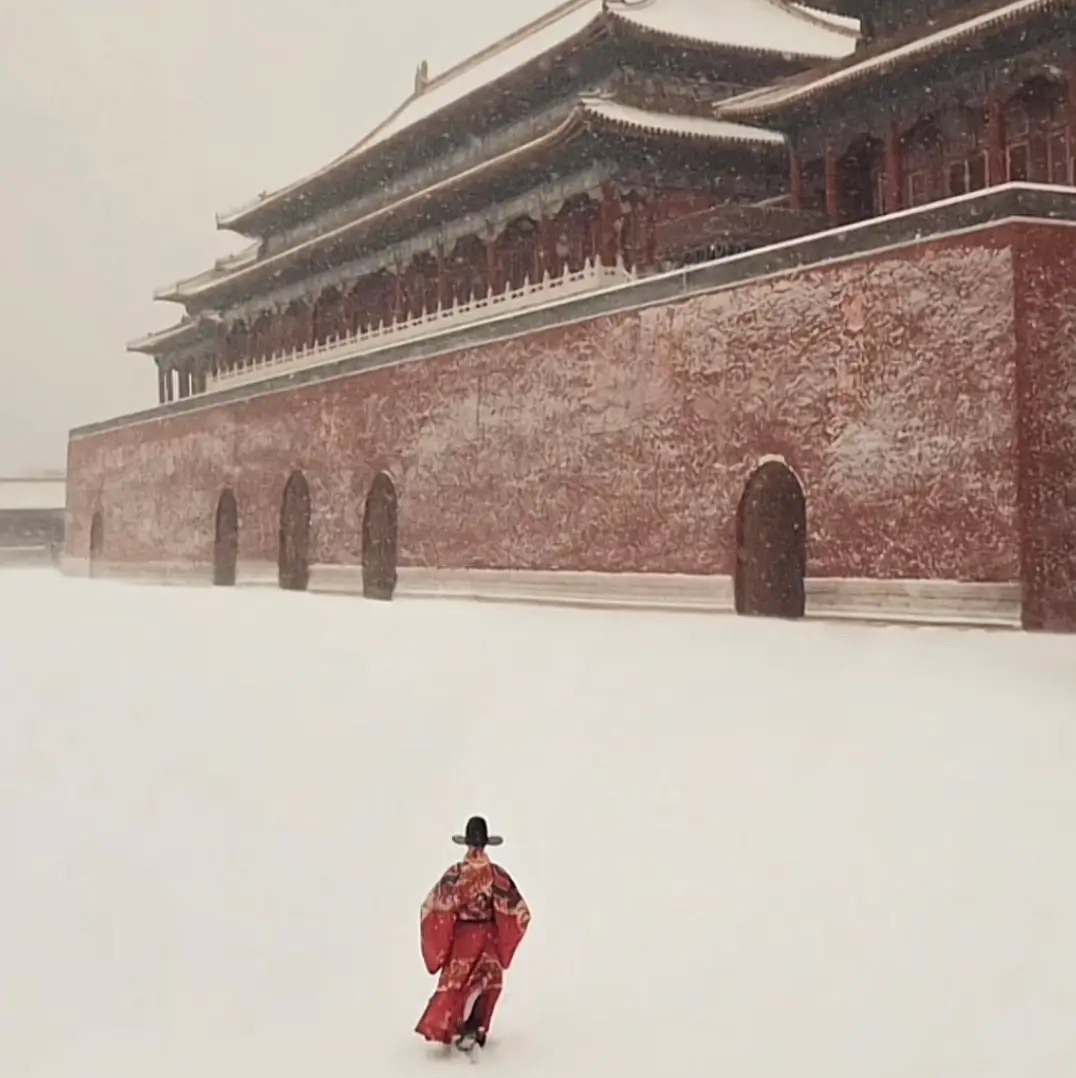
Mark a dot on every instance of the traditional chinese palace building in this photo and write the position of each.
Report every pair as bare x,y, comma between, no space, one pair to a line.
724,304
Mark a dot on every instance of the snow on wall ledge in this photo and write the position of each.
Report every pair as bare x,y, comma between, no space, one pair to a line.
622,444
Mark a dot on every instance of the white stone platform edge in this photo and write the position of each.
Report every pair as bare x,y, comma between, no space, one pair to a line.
918,601
940,602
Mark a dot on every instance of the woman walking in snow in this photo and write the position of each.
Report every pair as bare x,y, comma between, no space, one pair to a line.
471,924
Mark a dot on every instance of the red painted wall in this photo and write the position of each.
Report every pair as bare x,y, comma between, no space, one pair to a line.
1045,260
624,444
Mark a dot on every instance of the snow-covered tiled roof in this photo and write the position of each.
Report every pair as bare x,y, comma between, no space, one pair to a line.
846,22
588,112
799,88
704,127
755,25
530,43
188,328
774,26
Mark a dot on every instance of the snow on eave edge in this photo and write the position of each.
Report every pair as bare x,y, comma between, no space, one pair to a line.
151,343
684,125
843,23
795,10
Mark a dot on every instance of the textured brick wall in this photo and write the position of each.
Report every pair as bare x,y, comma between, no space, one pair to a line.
1045,258
624,443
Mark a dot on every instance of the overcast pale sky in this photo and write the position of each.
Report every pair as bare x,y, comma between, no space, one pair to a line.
126,124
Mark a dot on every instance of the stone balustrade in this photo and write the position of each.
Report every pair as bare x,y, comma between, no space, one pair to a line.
592,277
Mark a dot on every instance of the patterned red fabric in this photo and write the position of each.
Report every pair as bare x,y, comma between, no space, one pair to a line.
472,922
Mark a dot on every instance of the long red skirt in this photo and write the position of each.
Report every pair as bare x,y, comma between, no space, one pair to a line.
471,979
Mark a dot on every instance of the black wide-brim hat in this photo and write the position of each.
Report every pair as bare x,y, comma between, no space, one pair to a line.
476,835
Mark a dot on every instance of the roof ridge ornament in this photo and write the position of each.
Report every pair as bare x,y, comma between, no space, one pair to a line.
422,76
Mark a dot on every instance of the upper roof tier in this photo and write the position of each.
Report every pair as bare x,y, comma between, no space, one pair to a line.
778,27
590,114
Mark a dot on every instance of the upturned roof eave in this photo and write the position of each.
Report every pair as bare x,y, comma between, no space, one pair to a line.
687,41
153,344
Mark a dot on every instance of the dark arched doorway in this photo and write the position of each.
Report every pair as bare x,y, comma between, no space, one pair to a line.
294,558
97,541
771,544
226,540
379,539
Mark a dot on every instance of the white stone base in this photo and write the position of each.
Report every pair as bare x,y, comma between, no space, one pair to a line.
336,579
939,602
254,574
946,602
660,591
153,572
949,602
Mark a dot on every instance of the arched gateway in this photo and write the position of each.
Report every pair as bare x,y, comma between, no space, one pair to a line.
379,524
771,544
226,540
294,556
97,541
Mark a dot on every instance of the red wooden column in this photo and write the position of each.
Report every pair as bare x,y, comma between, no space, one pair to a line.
442,286
1038,118
160,382
653,254
397,293
996,171
833,188
894,169
608,219
538,254
554,262
492,276
795,178
1070,121
272,332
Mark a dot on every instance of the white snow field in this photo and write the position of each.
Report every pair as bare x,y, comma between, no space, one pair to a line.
752,849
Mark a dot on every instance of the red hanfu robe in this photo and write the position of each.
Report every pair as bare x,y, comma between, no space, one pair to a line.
471,924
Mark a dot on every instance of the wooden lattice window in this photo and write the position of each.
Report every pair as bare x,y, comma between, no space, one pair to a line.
966,156
922,160
1060,152
1018,139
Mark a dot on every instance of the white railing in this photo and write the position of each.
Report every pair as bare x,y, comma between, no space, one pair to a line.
592,277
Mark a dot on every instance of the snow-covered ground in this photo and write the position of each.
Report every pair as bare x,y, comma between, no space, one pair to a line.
751,849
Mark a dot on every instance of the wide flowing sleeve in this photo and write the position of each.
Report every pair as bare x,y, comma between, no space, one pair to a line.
437,921
511,914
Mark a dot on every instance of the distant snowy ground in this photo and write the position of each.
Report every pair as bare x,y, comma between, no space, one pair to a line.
752,850
32,493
